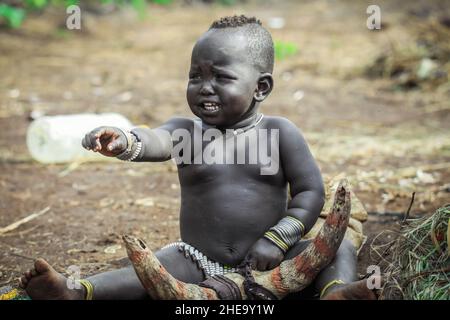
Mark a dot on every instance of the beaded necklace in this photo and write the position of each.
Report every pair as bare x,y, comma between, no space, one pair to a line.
237,130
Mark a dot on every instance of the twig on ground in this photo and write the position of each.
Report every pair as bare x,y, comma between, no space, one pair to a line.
409,208
22,256
16,224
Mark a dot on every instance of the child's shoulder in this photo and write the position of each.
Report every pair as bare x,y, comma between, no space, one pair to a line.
290,135
179,123
289,132
281,123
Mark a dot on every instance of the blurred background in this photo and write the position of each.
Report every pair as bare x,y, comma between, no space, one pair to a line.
373,105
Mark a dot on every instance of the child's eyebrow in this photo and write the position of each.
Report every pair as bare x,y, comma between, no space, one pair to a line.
215,68
223,69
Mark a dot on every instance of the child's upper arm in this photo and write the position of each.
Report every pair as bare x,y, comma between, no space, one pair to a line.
158,143
298,163
177,123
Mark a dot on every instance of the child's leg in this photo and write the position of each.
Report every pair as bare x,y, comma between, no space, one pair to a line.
124,283
337,280
342,270
43,282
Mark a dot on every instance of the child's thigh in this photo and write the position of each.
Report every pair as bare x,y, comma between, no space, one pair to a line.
179,266
296,249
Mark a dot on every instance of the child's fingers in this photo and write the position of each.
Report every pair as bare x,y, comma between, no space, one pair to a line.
261,265
98,145
102,134
94,139
23,282
91,140
115,145
251,259
271,265
111,146
85,144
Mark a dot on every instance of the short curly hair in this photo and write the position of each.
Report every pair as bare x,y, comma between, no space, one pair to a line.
260,43
234,21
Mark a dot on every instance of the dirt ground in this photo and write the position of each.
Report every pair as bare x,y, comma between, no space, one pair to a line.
389,142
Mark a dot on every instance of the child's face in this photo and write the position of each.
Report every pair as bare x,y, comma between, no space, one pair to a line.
222,80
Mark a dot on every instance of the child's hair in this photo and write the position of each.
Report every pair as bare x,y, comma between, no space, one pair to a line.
260,44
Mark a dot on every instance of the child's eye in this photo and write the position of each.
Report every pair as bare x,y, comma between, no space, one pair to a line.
224,77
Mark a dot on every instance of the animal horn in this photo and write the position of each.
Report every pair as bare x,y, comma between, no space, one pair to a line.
290,276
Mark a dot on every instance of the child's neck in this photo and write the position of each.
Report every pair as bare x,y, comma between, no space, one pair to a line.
248,122
244,122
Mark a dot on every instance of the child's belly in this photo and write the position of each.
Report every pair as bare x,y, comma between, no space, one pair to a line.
223,220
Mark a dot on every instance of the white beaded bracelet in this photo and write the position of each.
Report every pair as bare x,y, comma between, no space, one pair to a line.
137,151
134,147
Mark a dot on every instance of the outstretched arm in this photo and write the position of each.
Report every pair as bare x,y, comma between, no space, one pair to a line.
140,144
157,144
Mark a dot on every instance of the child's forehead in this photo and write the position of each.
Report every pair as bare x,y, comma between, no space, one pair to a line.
225,35
222,46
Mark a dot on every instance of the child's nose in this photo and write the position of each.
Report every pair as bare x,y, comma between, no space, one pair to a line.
206,89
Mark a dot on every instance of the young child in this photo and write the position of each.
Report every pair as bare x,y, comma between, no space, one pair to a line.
229,211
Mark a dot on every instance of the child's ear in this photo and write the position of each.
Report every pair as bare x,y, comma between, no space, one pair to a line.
265,86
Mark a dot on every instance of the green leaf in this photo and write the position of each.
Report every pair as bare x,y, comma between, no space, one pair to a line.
71,2
36,4
163,2
65,3
284,49
13,16
141,7
228,2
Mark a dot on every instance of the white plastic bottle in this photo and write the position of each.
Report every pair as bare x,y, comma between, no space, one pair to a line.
57,139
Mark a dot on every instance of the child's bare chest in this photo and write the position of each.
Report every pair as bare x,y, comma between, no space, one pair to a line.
250,155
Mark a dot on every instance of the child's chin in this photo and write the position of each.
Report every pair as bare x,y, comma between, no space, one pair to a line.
211,120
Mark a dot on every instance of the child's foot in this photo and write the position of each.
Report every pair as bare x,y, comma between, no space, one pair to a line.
43,283
353,291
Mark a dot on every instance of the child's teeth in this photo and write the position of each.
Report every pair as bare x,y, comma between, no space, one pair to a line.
210,106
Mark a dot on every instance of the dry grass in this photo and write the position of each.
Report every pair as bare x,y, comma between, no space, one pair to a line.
419,264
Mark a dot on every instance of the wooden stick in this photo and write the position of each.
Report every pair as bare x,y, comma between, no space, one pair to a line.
22,256
409,208
16,224
290,276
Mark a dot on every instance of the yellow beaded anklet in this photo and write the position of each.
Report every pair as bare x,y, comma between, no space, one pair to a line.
89,289
329,284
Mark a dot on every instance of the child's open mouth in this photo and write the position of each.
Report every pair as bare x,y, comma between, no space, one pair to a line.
210,107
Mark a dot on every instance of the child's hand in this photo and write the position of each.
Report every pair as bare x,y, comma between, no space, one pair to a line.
109,141
264,255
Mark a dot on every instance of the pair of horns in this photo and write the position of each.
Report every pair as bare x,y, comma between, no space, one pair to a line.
290,276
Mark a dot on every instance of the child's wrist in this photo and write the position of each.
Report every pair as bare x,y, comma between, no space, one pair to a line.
133,149
275,240
286,233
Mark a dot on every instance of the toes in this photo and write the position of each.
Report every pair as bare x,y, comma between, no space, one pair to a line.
23,281
33,272
41,266
28,275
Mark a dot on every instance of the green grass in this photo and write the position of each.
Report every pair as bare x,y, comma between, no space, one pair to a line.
14,16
